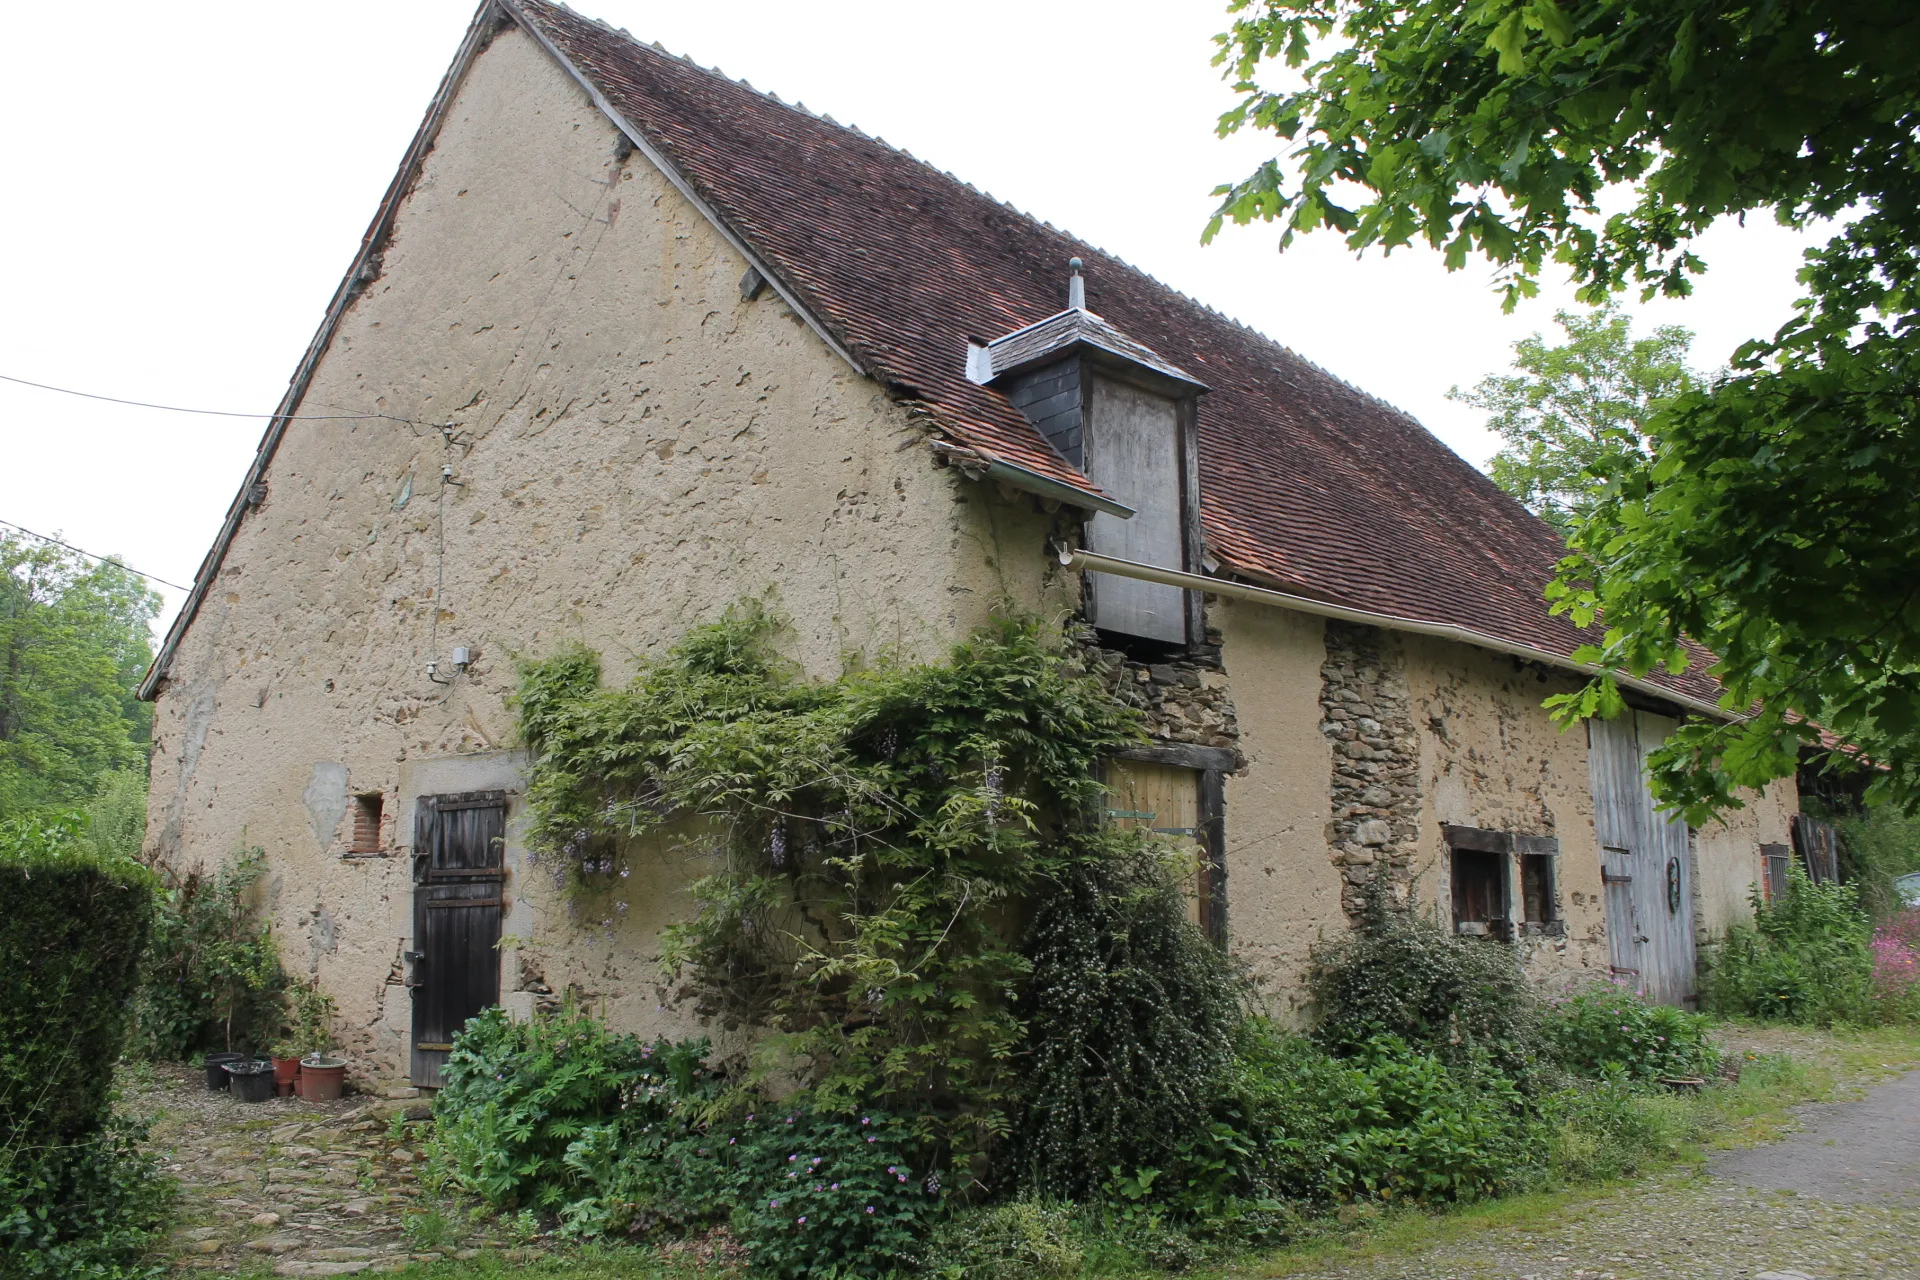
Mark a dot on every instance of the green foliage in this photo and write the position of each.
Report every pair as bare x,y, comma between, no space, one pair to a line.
74,642
1573,417
70,945
1878,845
1772,523
1386,1121
1403,975
1805,958
870,835
1018,1240
1605,1128
310,1014
117,815
1131,1014
517,1094
616,1136
212,971
1610,1029
76,1196
93,1208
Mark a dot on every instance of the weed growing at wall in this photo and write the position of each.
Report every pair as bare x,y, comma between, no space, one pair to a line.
1805,958
872,838
1607,1029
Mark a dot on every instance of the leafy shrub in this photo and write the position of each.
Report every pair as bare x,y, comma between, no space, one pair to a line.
70,943
90,1208
77,1198
1295,1124
869,834
517,1095
213,977
1404,976
1606,1128
1610,1028
1018,1240
613,1135
1805,958
1131,1013
1877,846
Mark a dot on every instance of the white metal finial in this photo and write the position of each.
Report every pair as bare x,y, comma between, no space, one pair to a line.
1076,286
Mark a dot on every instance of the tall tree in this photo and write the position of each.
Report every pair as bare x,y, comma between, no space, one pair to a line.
1774,522
74,640
1573,418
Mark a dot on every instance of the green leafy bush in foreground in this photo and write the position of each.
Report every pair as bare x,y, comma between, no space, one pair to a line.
618,1137
1806,958
77,1198
1608,1028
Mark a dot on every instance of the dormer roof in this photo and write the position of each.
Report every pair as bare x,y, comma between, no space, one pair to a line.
1076,330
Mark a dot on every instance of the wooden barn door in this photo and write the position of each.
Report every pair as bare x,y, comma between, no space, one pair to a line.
1644,862
458,847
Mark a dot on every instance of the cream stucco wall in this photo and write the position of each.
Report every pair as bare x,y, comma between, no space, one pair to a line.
1283,894
636,446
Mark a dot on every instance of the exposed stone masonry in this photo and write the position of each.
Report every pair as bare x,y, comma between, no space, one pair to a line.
1366,711
1184,697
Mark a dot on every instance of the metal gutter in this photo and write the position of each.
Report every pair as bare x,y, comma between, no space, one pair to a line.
1075,558
479,35
1033,482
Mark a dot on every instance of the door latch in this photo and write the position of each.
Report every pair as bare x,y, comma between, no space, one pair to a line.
414,960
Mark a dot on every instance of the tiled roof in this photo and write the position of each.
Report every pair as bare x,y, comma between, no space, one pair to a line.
1307,484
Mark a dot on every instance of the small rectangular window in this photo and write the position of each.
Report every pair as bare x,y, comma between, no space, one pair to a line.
367,814
1165,799
1479,892
1537,889
1776,858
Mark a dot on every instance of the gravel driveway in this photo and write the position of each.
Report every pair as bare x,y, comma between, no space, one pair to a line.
1839,1198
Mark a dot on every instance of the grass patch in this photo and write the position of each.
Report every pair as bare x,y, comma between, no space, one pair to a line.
1824,1067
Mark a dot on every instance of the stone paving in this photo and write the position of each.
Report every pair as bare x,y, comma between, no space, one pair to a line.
292,1188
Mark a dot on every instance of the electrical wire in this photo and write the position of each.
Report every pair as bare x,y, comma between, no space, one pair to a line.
89,555
223,413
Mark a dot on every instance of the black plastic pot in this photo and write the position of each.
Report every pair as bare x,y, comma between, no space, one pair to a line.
217,1068
252,1080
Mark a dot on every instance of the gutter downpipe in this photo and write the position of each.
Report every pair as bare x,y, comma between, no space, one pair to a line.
1075,558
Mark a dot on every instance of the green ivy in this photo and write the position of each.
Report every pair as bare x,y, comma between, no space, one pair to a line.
874,838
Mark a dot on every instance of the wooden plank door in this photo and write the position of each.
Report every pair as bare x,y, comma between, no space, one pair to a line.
1646,865
1613,760
1663,888
1164,799
458,875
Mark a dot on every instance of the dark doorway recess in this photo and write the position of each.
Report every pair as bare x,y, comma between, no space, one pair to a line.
458,873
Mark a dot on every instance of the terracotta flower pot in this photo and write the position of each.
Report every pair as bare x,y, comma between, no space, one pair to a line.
321,1078
286,1071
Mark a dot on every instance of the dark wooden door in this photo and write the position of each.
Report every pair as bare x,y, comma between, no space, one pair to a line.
458,872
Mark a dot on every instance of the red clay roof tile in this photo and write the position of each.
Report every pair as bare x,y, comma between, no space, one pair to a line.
1307,484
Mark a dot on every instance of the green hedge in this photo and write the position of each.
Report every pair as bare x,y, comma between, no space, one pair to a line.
71,934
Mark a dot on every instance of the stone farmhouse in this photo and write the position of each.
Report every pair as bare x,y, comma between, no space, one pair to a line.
648,341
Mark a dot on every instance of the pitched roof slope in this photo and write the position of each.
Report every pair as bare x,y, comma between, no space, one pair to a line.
1307,483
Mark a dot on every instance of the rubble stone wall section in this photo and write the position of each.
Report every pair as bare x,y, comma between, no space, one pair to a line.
1374,824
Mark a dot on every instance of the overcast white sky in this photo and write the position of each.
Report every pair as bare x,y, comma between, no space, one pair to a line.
184,186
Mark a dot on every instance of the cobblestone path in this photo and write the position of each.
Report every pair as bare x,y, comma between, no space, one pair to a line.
286,1187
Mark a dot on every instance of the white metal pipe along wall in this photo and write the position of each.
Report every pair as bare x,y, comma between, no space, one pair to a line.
1076,558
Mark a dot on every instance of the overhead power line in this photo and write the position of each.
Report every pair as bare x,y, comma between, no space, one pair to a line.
118,564
223,413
